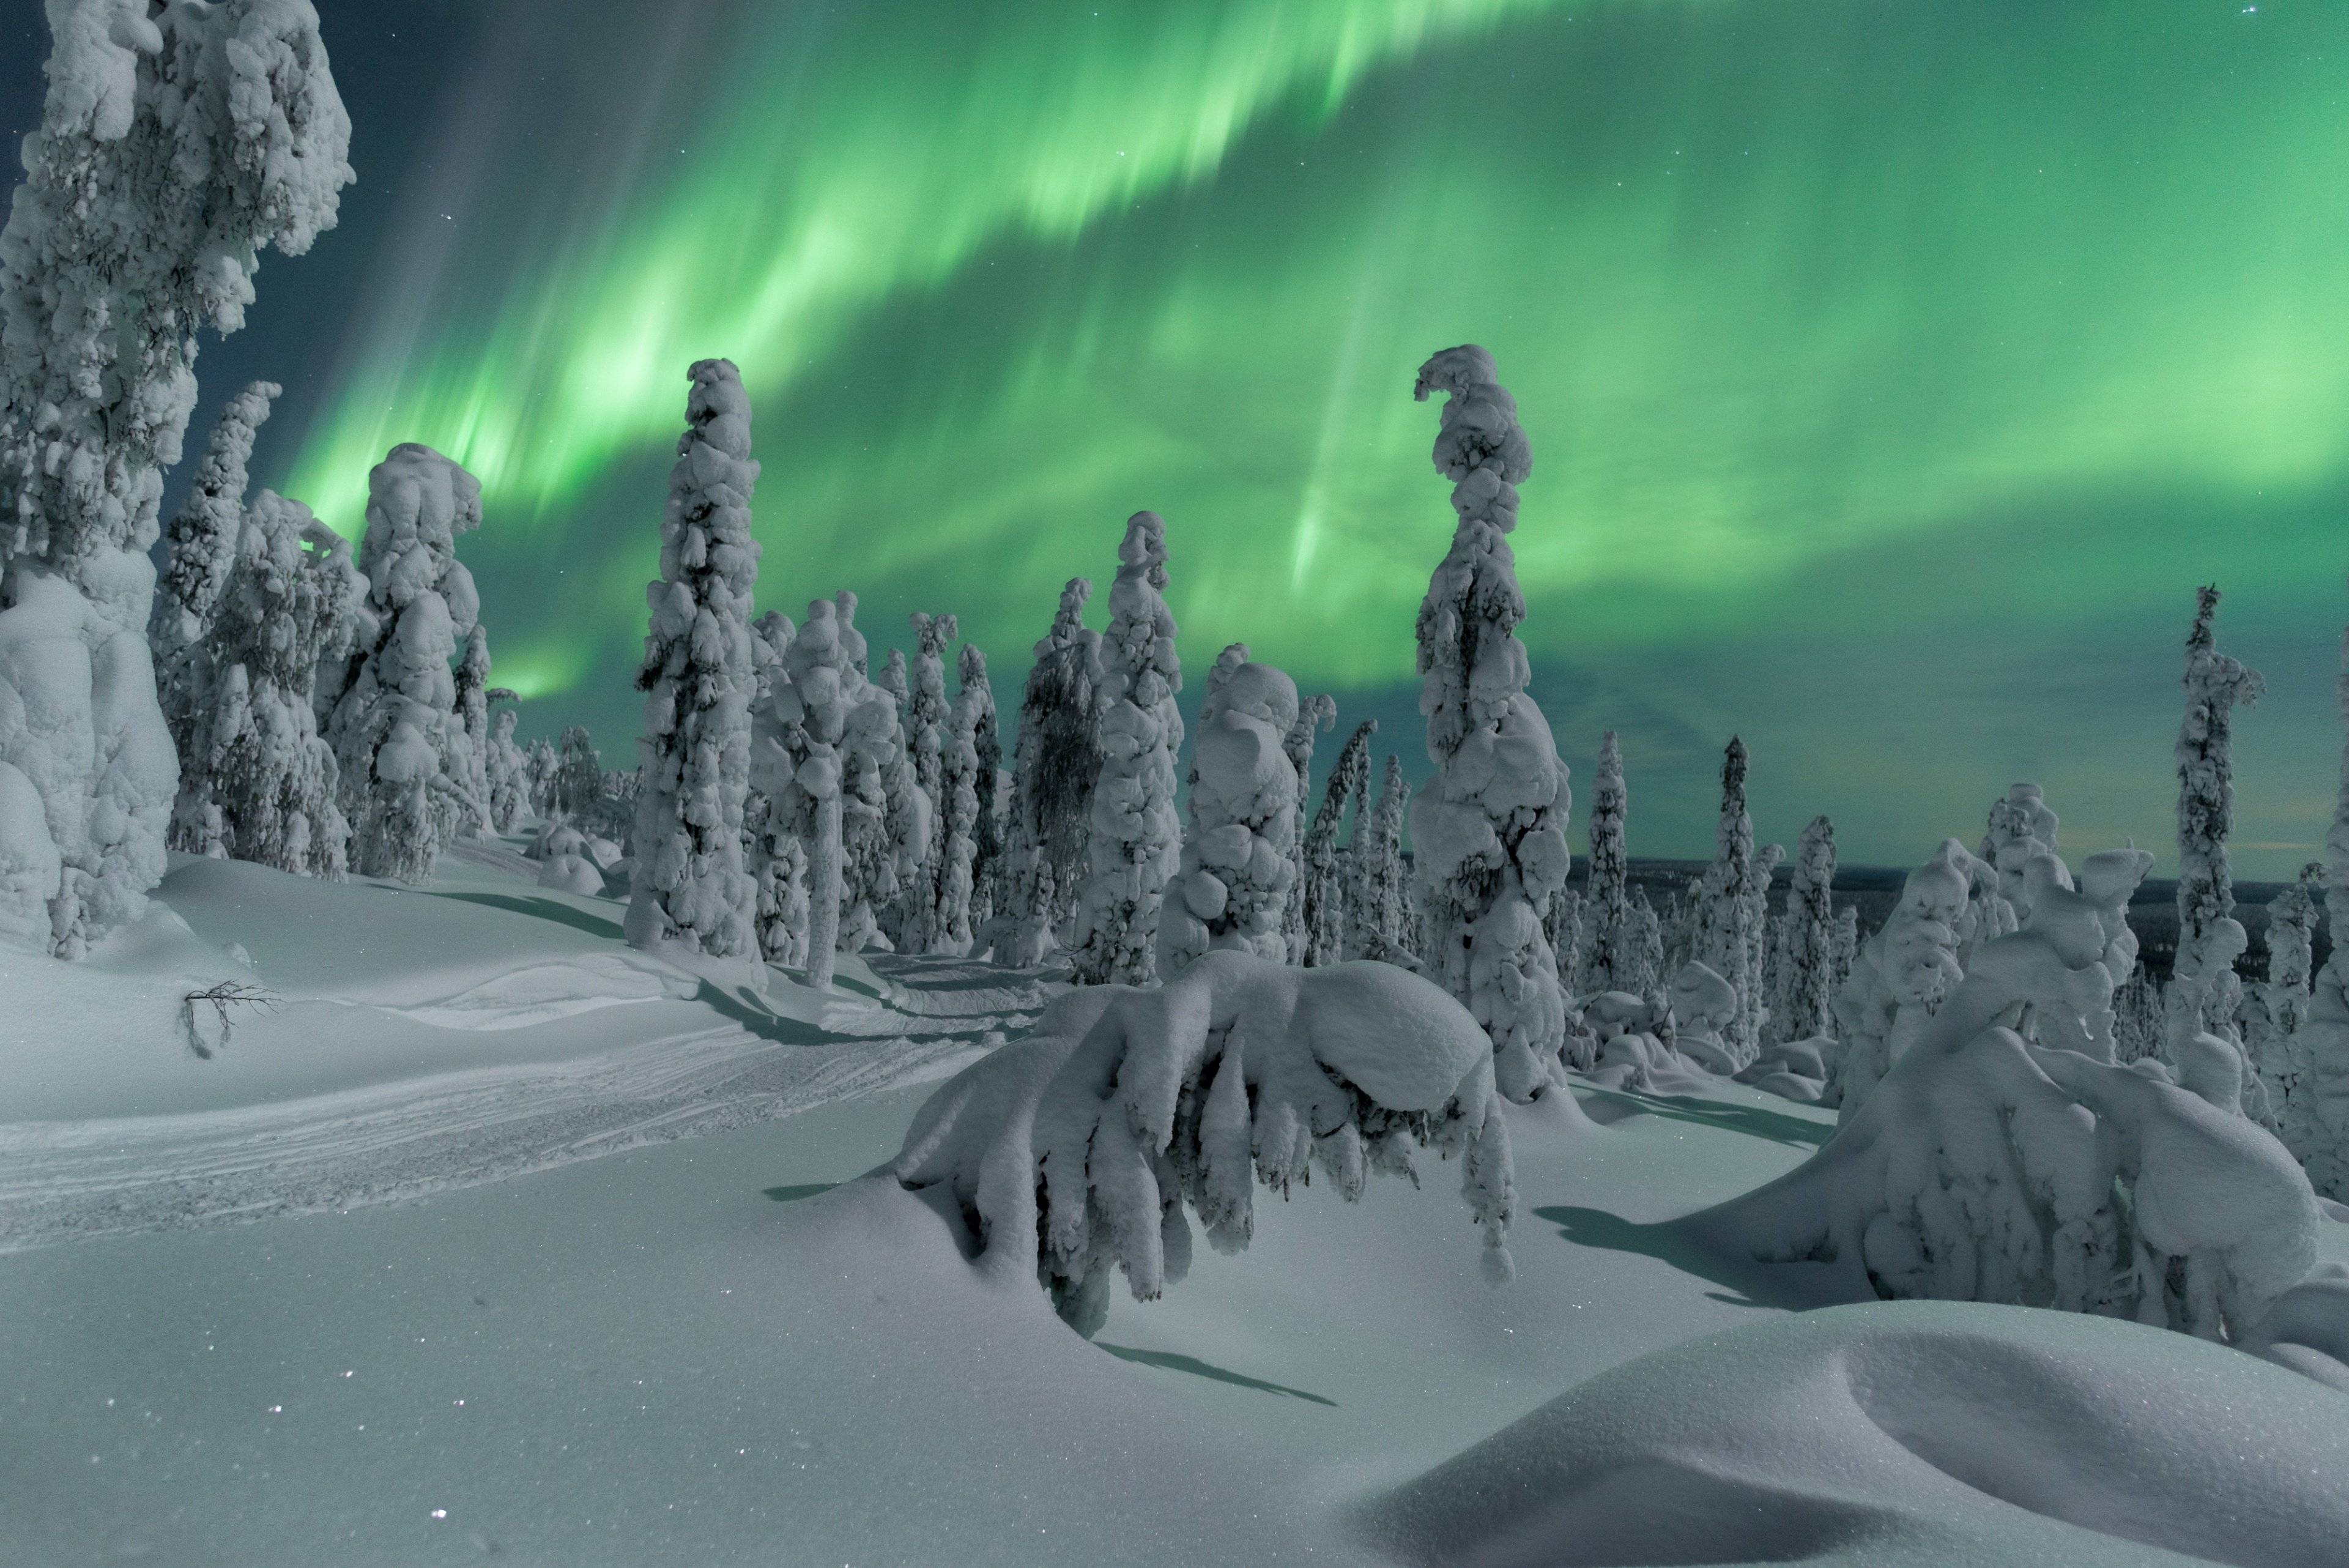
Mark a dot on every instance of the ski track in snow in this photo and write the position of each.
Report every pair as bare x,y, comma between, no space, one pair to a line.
65,1181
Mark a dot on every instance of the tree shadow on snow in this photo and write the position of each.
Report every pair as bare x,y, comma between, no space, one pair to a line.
793,1194
772,1027
1173,1362
1788,1286
562,914
1607,1106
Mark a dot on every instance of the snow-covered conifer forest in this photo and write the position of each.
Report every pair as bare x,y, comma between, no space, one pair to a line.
435,1128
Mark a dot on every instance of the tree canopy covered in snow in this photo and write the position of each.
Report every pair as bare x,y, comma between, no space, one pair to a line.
1333,881
1235,870
1056,762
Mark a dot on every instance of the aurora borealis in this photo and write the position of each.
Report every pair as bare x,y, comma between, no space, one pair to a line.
1894,371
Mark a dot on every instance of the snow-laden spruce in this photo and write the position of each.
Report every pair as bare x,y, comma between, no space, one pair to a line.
1076,1151
919,926
1135,845
2324,1035
1900,975
2021,826
1991,1167
1056,762
256,781
1383,928
1489,829
395,730
578,773
175,144
467,804
1728,897
349,628
777,858
1314,715
2204,995
508,775
964,774
1607,955
1233,880
543,763
1333,879
690,886
199,548
1803,1004
975,719
2275,1008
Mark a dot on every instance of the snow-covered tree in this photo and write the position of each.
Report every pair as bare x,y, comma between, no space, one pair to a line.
1562,922
349,628
778,860
1076,1152
2278,1006
1235,866
1489,829
1901,974
2324,1034
509,773
1843,952
1314,715
1643,929
2020,827
988,837
1382,925
394,731
256,783
1137,844
2137,1018
1330,892
1803,1004
469,804
578,774
1728,897
175,143
690,887
917,926
2203,995
543,763
1607,959
964,774
1056,761
199,549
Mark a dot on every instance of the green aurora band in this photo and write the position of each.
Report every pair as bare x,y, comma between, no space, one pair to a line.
1893,372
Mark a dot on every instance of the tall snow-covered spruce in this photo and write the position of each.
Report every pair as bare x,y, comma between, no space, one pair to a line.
1235,870
1490,827
1803,1005
199,549
691,888
1314,715
2324,1035
1333,881
395,730
1728,900
1136,843
2203,995
1056,761
176,142
1608,940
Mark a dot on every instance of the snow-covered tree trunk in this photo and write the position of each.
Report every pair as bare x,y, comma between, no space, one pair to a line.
509,773
1489,828
199,549
691,888
1725,938
1805,998
1325,897
393,730
1607,959
2204,995
1056,761
256,783
1314,715
2325,1032
1236,864
1135,846
175,144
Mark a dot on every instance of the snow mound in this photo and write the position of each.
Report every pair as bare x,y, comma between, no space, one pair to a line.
1077,1148
1896,1434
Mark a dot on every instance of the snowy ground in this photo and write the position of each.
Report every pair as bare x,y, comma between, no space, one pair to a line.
499,1243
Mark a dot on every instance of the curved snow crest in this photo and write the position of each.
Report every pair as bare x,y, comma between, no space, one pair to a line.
1078,1147
1895,1434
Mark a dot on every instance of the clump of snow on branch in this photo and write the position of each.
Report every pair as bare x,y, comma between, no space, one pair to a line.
174,146
1078,1150
1235,870
1489,828
1136,843
394,730
691,886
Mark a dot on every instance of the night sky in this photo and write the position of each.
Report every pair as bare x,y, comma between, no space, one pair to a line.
1894,371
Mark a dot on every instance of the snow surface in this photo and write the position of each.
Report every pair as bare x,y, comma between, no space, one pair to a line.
526,1318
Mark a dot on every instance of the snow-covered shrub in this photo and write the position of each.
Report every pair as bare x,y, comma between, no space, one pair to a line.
1728,898
199,548
508,775
566,860
1056,761
2204,995
256,781
1136,843
395,730
1333,882
690,886
1988,1167
1314,715
1605,961
1234,879
1704,1006
1079,1148
1803,1004
1489,829
175,144
1902,973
